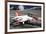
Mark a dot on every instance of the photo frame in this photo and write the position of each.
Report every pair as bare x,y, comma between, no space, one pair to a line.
36,6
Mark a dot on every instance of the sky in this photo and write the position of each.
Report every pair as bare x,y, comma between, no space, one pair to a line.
22,7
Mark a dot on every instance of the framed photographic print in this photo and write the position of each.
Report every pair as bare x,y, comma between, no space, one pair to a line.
24,16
